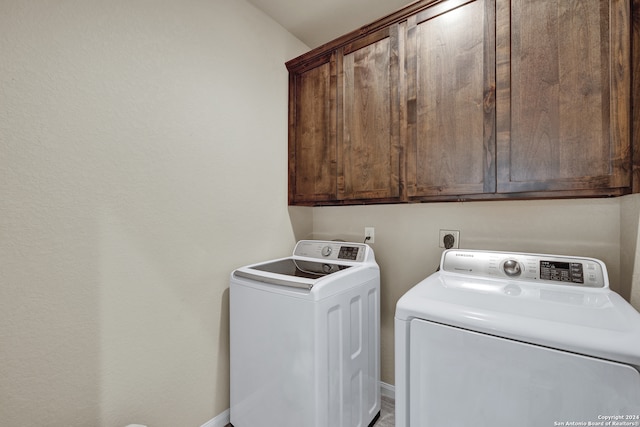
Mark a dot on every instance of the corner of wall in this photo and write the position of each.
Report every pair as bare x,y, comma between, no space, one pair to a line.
301,222
629,258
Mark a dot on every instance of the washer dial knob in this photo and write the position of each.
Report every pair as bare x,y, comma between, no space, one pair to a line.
512,268
326,251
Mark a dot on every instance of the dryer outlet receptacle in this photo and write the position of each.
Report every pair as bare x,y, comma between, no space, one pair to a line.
449,239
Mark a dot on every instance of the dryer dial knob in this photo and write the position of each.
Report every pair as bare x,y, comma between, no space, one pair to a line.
326,251
512,268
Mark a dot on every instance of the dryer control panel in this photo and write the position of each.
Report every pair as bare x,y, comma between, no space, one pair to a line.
541,268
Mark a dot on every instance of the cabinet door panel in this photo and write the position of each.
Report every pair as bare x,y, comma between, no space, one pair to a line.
368,117
563,91
451,77
312,153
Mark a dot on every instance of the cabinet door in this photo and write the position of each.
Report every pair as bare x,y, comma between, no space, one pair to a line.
368,117
563,95
312,136
450,99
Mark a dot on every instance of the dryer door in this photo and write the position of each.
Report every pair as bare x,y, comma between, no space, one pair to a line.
463,378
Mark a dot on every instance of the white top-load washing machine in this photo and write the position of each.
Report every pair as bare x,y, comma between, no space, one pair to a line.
305,338
497,339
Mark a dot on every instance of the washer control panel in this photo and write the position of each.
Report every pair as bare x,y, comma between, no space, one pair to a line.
553,269
330,250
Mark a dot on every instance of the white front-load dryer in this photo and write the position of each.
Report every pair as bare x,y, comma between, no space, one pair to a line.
497,339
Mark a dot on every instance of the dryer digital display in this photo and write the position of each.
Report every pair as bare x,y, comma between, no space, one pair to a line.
561,271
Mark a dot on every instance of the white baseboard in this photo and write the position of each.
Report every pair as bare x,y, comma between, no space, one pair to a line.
220,421
386,390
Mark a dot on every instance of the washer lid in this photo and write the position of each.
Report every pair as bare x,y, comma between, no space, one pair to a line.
290,271
585,320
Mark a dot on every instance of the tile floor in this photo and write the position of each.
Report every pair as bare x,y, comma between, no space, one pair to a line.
387,414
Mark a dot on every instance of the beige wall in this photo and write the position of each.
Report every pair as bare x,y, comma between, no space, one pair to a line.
406,244
143,156
629,244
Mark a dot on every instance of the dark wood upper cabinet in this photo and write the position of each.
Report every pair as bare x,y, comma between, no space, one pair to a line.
312,133
563,104
469,100
344,123
369,118
450,96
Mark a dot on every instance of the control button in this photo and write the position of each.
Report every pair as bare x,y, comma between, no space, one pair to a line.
326,251
512,268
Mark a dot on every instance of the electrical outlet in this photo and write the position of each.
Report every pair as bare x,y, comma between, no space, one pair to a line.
369,234
449,239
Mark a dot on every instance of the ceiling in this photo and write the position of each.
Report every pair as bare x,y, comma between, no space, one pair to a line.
316,22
